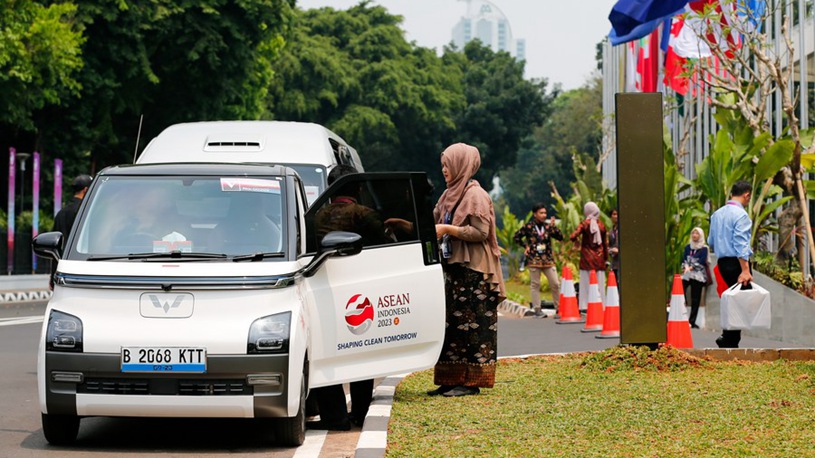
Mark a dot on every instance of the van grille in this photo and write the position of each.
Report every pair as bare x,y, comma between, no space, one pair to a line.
170,387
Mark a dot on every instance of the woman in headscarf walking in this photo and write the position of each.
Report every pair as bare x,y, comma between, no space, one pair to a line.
593,252
695,271
474,285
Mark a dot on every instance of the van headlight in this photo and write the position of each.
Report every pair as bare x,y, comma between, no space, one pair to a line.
64,332
269,334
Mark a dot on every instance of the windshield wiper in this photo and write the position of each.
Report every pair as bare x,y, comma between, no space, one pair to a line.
259,256
175,254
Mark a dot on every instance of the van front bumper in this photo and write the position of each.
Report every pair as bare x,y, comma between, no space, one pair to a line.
234,386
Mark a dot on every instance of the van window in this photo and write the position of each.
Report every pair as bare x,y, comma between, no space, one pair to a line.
224,215
362,204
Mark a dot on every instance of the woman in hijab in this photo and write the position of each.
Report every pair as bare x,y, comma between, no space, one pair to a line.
695,269
474,285
593,252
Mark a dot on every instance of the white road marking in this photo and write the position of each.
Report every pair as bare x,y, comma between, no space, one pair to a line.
313,444
20,320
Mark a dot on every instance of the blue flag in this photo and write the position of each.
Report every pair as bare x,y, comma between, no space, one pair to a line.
633,19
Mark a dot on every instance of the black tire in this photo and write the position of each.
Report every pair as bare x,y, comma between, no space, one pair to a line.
60,429
291,431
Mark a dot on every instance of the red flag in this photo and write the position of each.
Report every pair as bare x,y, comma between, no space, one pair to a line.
648,63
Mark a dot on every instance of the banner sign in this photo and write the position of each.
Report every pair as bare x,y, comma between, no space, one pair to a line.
12,168
57,186
35,215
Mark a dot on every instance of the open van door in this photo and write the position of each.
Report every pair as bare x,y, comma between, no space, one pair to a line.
379,312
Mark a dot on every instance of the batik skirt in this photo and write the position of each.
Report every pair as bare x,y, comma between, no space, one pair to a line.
470,350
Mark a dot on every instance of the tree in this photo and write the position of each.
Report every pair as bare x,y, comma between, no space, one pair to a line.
750,74
172,62
502,107
353,71
40,55
572,129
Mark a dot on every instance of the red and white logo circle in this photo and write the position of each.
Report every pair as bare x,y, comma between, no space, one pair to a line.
359,314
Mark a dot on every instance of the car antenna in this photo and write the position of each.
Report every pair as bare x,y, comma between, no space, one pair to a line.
138,135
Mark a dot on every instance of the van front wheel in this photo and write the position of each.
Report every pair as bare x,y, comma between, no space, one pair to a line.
60,429
292,431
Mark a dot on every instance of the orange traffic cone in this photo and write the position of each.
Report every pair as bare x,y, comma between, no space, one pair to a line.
679,334
611,316
594,308
567,308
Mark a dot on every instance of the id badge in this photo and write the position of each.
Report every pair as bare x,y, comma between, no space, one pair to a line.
541,247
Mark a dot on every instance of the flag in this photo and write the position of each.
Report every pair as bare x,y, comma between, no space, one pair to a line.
648,63
631,66
626,15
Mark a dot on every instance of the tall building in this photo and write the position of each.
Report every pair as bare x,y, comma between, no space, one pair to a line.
485,22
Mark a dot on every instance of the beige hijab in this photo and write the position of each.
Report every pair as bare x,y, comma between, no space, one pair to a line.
462,161
592,212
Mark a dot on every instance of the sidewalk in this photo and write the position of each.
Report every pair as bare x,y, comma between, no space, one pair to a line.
23,288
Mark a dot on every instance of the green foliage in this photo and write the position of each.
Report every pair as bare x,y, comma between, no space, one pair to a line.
169,61
40,55
788,274
353,71
737,154
587,188
24,221
506,242
502,107
683,212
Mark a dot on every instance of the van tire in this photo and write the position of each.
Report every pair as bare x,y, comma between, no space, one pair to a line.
60,429
292,431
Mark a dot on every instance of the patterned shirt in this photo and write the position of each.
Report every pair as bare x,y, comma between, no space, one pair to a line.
537,241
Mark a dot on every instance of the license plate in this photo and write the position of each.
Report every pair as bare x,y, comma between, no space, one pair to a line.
164,359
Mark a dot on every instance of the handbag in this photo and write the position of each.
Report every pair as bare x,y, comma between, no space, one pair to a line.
746,308
708,275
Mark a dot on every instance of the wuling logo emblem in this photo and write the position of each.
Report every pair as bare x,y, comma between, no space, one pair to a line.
359,314
166,306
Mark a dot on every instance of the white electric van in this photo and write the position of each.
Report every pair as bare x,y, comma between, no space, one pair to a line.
207,290
311,149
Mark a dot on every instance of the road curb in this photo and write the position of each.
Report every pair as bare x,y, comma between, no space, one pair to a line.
13,297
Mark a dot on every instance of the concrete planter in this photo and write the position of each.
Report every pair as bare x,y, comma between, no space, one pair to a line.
793,314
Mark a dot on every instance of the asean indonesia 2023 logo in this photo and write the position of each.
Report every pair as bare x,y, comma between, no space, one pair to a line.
359,314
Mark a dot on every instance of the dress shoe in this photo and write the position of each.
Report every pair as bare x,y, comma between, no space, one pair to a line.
462,391
440,390
342,425
694,326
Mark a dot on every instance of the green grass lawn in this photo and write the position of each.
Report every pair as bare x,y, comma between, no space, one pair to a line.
625,401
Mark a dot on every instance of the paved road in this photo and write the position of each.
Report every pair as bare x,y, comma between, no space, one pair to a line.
21,434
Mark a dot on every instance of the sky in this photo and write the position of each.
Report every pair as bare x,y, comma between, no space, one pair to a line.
560,36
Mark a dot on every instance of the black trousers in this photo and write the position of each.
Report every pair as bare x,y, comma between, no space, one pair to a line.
730,269
331,401
695,297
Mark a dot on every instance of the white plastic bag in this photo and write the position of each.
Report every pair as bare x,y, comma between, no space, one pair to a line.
746,308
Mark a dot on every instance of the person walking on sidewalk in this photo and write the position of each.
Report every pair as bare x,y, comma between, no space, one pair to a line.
536,238
591,233
695,270
730,232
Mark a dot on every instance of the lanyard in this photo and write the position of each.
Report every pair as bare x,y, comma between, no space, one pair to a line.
540,231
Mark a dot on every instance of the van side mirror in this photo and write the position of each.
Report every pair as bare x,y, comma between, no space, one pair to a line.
335,243
48,245
342,243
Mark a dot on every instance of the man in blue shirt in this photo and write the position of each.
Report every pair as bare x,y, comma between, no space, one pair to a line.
730,230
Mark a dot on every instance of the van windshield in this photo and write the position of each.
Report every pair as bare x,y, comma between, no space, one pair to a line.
183,216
